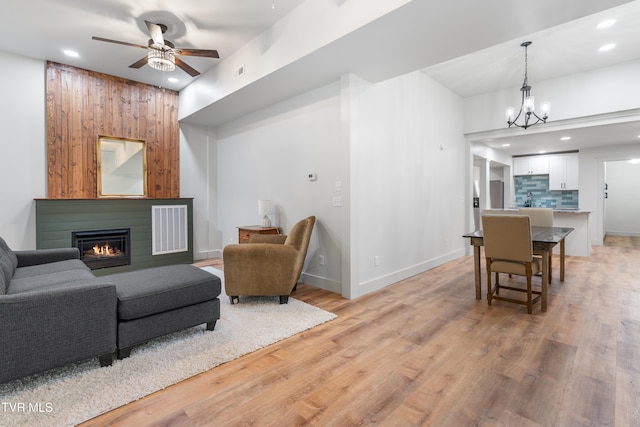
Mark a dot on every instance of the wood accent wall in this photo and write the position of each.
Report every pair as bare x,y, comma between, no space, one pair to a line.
83,104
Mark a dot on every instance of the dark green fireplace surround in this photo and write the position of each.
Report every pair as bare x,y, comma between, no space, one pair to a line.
56,219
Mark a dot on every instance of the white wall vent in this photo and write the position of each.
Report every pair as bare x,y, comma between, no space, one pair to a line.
238,71
169,229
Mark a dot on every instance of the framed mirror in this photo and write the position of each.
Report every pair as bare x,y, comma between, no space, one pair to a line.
122,167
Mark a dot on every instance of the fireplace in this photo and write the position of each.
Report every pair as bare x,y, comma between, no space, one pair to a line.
103,248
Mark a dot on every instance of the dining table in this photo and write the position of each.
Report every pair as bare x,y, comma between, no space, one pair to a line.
544,239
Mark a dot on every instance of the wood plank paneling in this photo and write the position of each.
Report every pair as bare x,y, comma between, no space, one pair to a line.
83,104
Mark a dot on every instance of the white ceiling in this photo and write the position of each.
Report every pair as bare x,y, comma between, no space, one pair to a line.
43,29
565,49
451,41
557,51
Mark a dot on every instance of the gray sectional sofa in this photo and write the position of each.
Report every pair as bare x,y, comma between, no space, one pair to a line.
54,311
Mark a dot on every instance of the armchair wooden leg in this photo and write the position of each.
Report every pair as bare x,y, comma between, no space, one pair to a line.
284,299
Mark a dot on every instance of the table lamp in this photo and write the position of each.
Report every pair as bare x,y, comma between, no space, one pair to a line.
264,209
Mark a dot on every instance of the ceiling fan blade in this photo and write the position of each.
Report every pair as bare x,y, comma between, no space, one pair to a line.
155,31
207,53
186,67
139,63
119,42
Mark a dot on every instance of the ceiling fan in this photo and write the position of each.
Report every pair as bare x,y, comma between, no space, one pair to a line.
162,54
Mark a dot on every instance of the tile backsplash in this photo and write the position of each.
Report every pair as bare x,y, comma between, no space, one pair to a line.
538,186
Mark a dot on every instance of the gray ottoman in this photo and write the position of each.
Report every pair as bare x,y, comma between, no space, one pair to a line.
160,300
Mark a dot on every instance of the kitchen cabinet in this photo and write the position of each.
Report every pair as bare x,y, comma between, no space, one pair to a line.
563,172
531,165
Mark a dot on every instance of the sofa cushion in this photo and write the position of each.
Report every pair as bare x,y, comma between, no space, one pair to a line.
8,264
155,290
48,268
9,252
6,272
37,282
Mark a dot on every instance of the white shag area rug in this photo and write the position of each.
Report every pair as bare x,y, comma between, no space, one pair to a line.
76,393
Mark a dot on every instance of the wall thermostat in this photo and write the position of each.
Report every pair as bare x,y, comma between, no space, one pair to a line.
312,176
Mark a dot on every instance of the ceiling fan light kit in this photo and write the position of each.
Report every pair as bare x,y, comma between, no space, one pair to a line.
161,60
528,102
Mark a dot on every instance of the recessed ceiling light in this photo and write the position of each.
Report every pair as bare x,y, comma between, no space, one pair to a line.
541,151
72,53
607,47
172,80
634,161
506,145
606,24
565,138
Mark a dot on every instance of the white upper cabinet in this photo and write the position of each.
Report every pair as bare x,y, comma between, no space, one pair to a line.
563,172
532,165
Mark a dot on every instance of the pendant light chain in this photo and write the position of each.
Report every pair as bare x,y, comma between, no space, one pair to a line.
526,66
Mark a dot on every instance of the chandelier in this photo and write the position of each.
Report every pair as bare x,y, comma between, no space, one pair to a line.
527,105
161,59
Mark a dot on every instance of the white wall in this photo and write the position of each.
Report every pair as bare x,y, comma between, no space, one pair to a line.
198,180
397,150
268,155
409,162
622,207
22,148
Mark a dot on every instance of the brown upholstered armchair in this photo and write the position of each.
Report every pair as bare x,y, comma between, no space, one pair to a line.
267,269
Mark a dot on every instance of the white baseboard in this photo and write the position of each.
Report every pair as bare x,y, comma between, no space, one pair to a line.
396,276
621,233
321,282
198,256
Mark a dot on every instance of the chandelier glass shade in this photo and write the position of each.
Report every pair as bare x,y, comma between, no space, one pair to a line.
527,105
161,59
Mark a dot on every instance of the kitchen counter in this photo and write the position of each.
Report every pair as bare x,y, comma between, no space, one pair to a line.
570,211
514,210
578,243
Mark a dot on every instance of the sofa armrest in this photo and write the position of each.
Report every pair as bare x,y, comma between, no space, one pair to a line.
259,269
48,328
43,256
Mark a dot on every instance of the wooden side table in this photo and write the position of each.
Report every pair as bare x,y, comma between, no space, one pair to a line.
245,232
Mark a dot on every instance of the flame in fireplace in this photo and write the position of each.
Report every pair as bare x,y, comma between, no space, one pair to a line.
105,250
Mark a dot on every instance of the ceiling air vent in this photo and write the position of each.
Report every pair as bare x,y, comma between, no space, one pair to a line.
238,71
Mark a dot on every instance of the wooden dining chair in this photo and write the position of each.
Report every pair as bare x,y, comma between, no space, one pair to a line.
539,217
508,249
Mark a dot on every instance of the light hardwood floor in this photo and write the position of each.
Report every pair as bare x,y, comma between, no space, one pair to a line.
425,352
